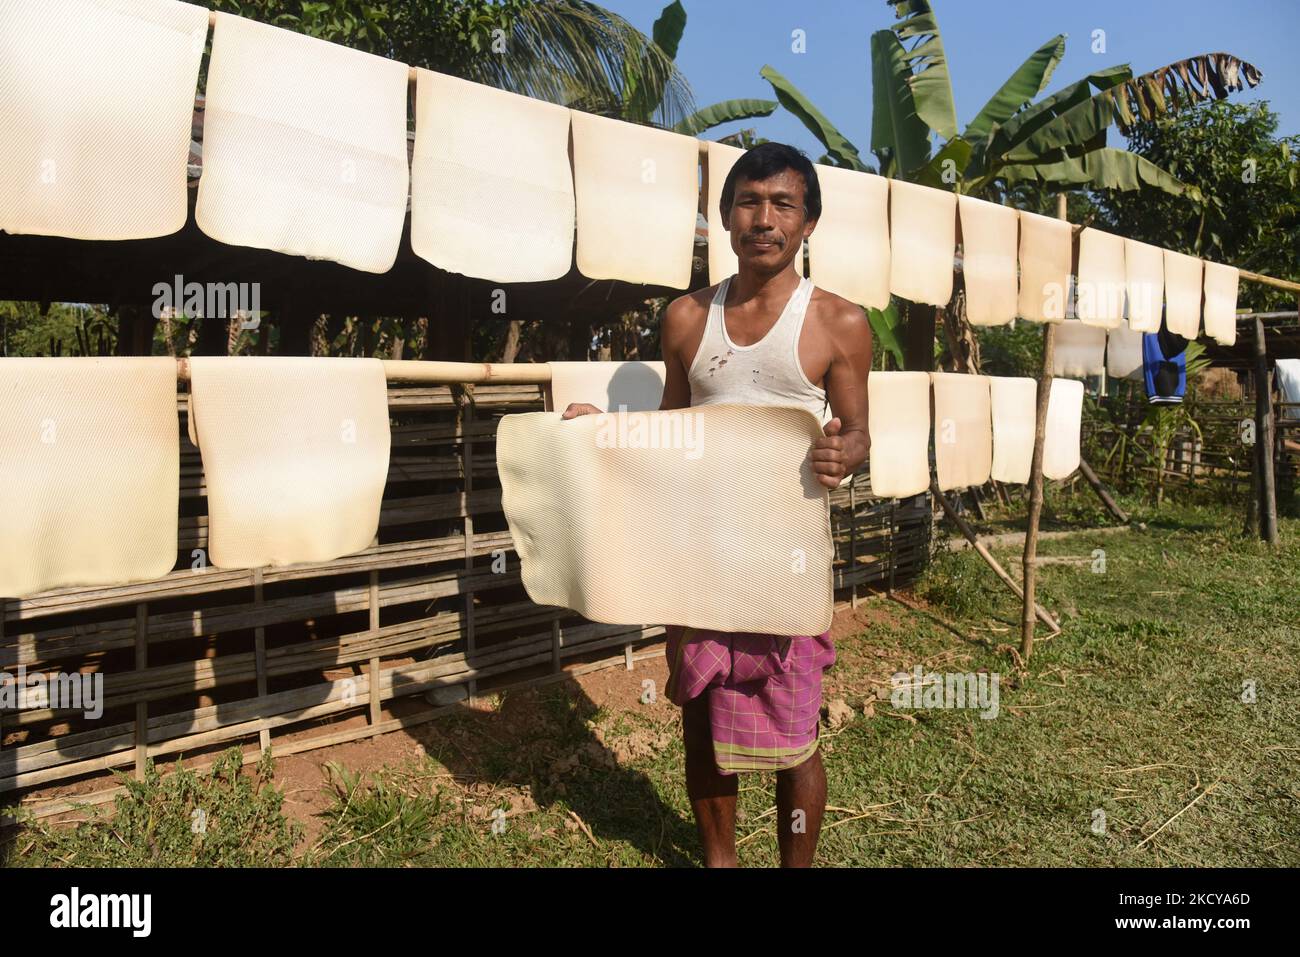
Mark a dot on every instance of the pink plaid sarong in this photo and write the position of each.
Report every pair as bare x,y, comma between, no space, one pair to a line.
764,692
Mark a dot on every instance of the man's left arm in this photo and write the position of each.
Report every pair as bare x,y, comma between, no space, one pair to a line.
843,448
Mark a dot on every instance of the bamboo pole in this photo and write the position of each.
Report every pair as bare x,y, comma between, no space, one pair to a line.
376,712
466,416
141,708
1264,440
1101,490
1036,477
259,650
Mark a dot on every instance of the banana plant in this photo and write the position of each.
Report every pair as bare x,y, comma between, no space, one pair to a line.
1059,140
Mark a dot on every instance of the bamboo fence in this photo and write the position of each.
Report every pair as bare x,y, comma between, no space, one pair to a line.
306,656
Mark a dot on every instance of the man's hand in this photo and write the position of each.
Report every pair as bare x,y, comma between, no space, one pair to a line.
580,408
829,461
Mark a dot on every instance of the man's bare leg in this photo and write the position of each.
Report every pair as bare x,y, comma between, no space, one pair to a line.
713,795
801,788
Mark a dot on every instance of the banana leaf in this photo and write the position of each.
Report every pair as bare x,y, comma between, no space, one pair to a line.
837,145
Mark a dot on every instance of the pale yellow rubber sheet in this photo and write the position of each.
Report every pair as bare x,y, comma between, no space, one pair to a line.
723,261
1102,285
1183,284
304,146
989,260
1013,400
96,107
923,239
708,517
1078,349
1221,302
1046,257
1144,268
898,421
637,190
491,184
963,429
1123,352
90,459
1061,436
295,455
638,386
848,252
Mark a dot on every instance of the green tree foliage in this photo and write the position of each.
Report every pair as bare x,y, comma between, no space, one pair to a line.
1249,211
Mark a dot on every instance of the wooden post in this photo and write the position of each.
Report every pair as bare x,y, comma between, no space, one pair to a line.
1264,439
467,423
1101,491
1036,478
376,714
259,653
141,707
893,545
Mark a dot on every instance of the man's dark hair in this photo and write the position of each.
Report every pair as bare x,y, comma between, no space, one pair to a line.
768,159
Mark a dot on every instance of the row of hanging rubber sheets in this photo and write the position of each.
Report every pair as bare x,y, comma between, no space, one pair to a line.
305,152
295,458
711,517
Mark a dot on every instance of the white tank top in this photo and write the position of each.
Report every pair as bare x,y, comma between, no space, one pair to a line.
768,372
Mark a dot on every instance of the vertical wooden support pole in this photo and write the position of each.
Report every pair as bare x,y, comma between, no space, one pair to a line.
141,707
1264,439
467,458
893,545
1250,527
373,604
853,540
259,653
555,644
1027,614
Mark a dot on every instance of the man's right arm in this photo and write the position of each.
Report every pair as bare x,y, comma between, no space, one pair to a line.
673,328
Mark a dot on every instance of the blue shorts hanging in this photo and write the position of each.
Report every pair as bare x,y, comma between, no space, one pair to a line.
1164,366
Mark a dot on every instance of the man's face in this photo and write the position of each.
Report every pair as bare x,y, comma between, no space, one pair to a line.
768,223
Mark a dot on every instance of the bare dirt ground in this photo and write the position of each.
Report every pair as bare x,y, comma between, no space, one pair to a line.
506,717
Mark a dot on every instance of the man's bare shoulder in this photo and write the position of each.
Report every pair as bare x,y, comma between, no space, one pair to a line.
837,315
687,312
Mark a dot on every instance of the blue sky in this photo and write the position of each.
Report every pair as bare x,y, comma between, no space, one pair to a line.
728,41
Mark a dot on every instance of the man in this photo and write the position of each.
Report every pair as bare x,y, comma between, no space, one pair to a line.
765,336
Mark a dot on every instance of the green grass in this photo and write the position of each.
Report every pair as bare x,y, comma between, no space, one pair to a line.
219,817
1135,710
